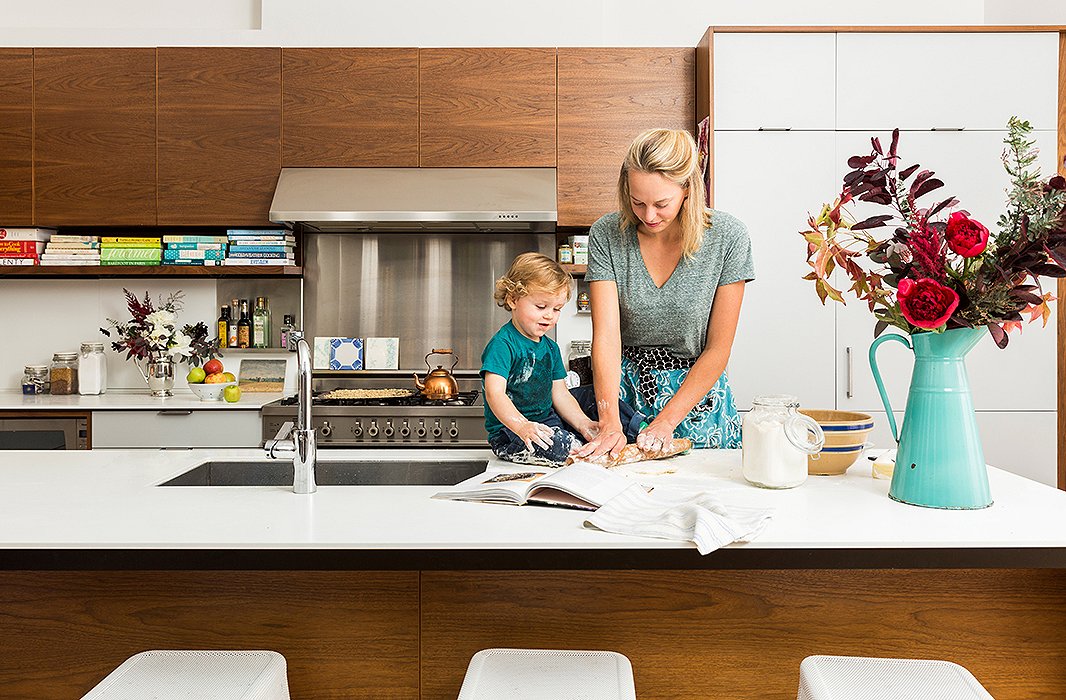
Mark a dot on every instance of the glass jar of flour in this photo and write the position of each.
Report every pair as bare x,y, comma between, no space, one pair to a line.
776,442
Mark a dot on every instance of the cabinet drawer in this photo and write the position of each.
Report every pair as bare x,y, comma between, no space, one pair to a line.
179,428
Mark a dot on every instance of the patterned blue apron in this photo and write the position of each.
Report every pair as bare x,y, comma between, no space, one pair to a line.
650,378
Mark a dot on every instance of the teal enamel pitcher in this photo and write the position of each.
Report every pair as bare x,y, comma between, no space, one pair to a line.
939,463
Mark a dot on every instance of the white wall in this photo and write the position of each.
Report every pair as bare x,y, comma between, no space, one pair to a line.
467,23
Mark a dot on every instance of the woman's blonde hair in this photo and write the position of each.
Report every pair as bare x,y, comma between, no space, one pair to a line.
671,153
531,272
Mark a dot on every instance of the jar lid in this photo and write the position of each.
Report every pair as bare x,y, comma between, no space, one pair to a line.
92,346
779,400
64,356
36,368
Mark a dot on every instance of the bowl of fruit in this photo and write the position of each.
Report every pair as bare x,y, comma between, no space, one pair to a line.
212,383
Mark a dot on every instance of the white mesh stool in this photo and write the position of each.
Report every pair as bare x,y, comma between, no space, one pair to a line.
196,675
860,678
546,674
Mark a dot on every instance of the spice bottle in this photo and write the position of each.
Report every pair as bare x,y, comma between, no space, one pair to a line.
35,380
64,373
566,254
92,369
584,303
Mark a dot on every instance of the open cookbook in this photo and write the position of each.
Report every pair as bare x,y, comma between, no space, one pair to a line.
581,485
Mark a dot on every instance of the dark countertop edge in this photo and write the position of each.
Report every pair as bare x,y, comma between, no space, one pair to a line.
526,560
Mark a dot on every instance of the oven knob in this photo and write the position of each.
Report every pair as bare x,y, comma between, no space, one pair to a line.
405,430
327,429
454,430
437,432
357,430
421,431
388,429
372,431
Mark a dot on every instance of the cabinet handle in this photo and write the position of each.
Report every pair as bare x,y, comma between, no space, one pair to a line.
175,412
849,391
947,128
775,128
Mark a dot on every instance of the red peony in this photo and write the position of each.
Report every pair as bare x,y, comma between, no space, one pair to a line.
926,303
966,236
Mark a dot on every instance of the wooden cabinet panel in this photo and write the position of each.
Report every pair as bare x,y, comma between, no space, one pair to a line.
16,137
349,107
607,97
219,135
94,136
487,107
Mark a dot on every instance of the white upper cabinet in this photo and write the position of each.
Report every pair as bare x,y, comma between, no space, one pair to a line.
945,81
774,81
785,338
1020,377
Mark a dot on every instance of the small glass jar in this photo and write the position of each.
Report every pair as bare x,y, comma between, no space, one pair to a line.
580,361
566,254
92,369
583,303
776,442
35,380
64,373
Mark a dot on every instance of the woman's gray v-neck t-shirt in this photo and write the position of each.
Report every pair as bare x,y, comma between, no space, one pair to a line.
674,316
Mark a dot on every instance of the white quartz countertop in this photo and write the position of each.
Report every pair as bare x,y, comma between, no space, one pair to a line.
130,399
104,499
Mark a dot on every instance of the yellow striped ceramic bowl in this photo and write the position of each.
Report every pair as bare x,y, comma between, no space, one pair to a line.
845,439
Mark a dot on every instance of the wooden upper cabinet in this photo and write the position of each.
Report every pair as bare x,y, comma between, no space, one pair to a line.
350,107
16,137
219,135
487,107
94,136
606,97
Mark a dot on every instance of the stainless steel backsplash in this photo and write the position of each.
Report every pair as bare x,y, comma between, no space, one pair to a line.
428,290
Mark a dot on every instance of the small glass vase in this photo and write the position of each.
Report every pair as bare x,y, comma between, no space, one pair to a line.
159,375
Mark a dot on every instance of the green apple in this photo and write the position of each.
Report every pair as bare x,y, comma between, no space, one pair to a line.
232,394
229,376
196,375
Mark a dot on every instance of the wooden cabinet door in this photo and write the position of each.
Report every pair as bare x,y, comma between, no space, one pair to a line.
219,135
606,98
16,137
487,107
349,107
94,136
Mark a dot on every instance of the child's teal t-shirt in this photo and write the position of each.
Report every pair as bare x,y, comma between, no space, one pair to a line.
529,368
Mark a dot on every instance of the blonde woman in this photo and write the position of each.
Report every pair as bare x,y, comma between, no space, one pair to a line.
666,276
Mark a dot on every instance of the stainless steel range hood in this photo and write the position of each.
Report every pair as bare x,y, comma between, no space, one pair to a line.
416,199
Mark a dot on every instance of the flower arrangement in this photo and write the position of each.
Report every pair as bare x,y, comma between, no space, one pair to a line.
153,335
933,274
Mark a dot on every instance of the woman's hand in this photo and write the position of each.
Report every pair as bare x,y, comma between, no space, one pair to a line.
535,433
657,437
610,439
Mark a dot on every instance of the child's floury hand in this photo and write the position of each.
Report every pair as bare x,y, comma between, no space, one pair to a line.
538,433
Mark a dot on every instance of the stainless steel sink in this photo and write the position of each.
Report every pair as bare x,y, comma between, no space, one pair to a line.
364,473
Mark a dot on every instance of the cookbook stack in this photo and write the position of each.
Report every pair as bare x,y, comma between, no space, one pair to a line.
194,250
261,247
72,249
130,250
22,246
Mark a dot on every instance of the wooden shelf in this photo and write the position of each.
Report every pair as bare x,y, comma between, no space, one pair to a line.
575,270
151,271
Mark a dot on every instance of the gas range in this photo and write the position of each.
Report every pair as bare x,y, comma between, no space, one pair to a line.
394,421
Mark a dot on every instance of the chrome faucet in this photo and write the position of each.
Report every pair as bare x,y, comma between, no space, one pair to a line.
298,442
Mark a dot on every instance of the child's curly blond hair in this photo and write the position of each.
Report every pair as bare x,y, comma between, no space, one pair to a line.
531,272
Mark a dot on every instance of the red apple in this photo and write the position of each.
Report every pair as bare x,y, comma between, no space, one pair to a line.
213,366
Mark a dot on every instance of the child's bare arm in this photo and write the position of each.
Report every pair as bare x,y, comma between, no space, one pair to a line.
568,409
504,410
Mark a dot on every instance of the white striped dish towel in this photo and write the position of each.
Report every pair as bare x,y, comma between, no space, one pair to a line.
679,515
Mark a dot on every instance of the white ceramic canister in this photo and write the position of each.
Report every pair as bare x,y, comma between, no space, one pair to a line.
776,440
92,369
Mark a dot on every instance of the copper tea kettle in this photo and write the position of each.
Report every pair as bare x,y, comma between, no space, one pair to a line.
440,385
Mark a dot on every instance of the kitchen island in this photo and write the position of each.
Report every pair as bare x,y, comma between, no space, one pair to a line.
374,591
